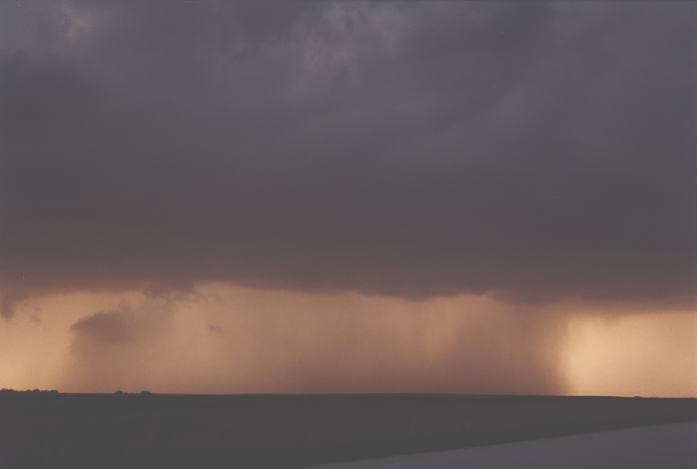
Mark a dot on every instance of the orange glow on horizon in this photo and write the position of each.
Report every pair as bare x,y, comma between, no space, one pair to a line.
626,355
228,339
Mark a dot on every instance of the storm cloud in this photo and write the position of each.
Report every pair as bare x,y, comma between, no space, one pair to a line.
105,327
534,151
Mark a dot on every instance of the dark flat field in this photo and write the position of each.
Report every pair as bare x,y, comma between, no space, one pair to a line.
50,430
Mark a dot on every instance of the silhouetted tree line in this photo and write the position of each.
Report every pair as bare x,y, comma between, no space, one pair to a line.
141,393
55,391
33,391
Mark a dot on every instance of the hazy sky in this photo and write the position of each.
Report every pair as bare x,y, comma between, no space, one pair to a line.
221,196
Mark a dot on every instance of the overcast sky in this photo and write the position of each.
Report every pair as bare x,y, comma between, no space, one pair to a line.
532,152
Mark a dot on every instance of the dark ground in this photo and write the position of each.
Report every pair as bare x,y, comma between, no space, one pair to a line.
48,430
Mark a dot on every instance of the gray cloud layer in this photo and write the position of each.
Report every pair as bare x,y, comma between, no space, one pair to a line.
531,150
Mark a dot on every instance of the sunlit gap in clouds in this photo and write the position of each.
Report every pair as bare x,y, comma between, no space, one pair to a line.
648,354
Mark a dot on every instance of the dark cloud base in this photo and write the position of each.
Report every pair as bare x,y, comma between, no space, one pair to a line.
534,151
